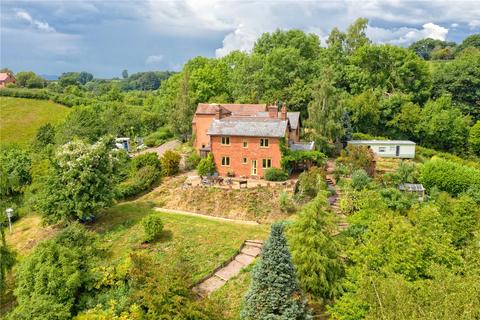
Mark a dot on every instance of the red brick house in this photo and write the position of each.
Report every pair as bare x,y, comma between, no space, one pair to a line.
6,78
244,138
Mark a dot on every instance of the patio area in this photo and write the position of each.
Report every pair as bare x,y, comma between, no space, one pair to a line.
235,183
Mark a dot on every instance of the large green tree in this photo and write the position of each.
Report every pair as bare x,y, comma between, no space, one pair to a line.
80,181
315,252
274,293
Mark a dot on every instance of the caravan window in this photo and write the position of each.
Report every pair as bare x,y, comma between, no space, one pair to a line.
382,149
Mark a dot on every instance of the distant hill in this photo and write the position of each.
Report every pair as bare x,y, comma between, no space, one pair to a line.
20,118
49,77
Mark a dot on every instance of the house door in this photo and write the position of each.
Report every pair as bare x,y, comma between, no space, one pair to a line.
254,167
397,153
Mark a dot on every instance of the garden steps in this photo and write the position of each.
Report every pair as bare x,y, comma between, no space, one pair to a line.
248,252
334,200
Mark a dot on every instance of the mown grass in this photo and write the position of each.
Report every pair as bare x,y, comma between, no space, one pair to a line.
204,244
21,118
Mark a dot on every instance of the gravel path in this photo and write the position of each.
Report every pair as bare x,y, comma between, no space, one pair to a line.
160,150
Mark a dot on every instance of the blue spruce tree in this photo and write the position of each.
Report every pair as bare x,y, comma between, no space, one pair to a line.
275,293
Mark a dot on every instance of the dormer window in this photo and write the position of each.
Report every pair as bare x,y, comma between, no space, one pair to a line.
226,141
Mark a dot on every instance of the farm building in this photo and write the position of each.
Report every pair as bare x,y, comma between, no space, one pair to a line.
388,148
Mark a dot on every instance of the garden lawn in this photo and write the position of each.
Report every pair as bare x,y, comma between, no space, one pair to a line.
20,118
203,244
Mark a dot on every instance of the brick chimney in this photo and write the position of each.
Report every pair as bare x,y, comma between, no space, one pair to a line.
272,111
283,113
218,112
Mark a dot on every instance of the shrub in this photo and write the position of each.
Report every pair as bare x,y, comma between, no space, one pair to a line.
158,137
146,159
286,203
192,160
310,183
170,163
474,138
358,157
449,176
275,174
360,179
143,180
152,227
206,166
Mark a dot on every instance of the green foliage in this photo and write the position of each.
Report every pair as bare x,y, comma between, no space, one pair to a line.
192,160
145,159
274,292
158,137
170,162
315,253
426,48
15,175
206,166
152,227
397,200
310,183
360,179
7,256
79,183
449,176
358,157
291,158
29,80
472,41
166,294
58,270
275,174
286,202
45,135
474,138
141,180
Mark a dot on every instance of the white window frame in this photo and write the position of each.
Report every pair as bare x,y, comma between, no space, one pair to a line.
266,163
225,141
253,168
245,144
382,149
225,161
244,160
264,143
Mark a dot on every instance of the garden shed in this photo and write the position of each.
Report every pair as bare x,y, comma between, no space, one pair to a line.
402,149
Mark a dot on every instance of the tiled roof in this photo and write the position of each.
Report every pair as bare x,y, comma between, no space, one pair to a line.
234,108
3,76
293,117
381,142
248,127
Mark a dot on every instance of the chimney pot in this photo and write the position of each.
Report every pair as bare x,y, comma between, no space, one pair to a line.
283,114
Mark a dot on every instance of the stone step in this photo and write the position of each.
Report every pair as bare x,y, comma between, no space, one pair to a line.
254,244
208,286
230,270
251,250
244,259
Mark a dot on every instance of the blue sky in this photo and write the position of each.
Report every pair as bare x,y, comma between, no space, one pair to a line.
105,37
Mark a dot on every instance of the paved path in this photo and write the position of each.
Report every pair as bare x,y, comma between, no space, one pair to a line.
160,150
249,250
194,214
335,198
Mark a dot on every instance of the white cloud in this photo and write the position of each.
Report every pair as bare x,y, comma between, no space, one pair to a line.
40,25
454,25
474,24
405,36
153,59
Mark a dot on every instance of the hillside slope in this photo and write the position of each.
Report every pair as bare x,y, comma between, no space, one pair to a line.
20,118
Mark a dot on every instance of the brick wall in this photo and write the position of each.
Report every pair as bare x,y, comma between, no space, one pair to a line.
202,124
237,152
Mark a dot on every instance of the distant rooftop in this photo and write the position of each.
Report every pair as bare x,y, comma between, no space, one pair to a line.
382,142
248,127
234,108
303,146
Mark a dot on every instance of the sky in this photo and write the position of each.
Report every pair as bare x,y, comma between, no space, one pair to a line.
105,37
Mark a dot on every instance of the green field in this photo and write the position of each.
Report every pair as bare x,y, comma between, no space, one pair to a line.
20,118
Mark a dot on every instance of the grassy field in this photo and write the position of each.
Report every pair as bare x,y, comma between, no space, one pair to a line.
20,118
202,243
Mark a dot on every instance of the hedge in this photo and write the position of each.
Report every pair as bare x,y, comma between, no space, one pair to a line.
449,176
